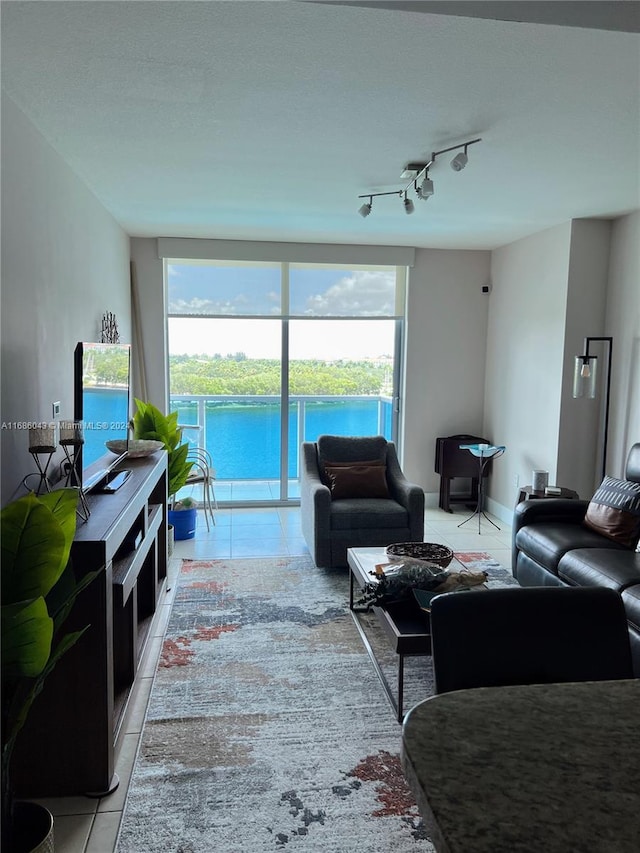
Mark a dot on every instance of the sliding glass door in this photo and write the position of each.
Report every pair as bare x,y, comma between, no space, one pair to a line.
265,356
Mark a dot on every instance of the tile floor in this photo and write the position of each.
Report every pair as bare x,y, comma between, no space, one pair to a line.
84,825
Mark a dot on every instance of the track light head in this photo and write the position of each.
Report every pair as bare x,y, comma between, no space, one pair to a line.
459,161
426,190
408,205
365,210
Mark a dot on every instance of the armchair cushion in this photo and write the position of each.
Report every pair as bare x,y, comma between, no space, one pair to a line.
367,514
614,511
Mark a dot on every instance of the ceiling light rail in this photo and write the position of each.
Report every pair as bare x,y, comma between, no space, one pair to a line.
417,171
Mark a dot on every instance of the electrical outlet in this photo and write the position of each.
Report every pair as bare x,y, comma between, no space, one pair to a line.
56,409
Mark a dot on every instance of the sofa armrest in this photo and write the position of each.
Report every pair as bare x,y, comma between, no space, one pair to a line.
544,510
549,509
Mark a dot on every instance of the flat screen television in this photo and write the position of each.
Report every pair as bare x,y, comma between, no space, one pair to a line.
102,381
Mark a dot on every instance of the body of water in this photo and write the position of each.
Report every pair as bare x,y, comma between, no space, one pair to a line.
242,438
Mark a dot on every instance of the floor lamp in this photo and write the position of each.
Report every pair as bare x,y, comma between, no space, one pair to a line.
584,385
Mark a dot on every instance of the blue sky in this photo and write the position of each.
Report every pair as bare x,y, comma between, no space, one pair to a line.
249,289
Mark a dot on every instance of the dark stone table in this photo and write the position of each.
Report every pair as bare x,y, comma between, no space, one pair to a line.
551,768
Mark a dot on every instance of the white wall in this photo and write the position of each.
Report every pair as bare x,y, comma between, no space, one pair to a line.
581,421
550,291
525,346
65,261
444,356
623,323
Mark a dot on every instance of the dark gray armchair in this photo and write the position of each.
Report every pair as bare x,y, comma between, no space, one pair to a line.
350,505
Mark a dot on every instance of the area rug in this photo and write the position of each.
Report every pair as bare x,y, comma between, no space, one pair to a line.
267,728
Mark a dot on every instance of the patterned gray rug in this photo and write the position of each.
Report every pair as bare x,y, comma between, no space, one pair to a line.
267,728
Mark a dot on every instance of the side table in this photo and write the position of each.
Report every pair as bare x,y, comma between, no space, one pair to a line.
528,493
484,453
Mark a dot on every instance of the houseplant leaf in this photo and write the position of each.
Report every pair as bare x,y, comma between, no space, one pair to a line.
38,589
37,534
150,423
27,631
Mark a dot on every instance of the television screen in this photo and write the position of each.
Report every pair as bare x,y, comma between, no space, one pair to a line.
101,403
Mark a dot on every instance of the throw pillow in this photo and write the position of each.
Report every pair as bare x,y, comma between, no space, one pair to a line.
614,511
362,480
325,476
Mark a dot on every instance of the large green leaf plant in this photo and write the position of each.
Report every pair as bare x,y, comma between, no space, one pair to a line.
39,589
150,423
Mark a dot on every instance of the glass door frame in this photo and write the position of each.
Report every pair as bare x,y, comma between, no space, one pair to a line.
285,318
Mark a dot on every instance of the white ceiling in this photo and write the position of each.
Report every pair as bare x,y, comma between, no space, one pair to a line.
266,120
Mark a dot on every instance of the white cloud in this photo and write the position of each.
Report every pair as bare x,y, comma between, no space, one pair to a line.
362,293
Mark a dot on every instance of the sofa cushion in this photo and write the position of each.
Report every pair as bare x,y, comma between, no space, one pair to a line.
614,511
357,481
612,567
367,513
631,601
548,541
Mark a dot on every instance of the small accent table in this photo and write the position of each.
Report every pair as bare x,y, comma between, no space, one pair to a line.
484,452
528,493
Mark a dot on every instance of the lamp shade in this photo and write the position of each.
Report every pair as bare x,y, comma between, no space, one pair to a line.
584,376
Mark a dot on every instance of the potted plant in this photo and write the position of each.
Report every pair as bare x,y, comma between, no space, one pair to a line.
39,588
183,517
150,423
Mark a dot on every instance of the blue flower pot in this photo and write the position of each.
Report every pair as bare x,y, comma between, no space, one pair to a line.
184,522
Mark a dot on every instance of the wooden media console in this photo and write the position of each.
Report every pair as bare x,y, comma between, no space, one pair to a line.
69,742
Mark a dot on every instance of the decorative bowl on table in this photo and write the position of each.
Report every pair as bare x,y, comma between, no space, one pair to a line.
135,448
428,552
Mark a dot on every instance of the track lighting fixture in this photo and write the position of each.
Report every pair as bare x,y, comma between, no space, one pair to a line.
460,160
365,210
425,190
416,171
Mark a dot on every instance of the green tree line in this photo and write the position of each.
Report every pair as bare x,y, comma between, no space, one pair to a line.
238,375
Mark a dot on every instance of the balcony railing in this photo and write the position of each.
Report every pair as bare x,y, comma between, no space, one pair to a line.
244,434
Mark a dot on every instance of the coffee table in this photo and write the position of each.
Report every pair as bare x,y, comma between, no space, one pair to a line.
405,624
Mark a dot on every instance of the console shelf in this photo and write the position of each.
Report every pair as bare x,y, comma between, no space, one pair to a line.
68,744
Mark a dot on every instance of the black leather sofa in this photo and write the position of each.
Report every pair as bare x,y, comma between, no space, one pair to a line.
553,546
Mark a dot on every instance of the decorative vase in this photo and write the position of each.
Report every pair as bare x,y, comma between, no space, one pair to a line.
184,522
33,828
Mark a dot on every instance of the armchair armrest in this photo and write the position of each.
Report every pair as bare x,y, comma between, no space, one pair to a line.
312,490
315,500
407,494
